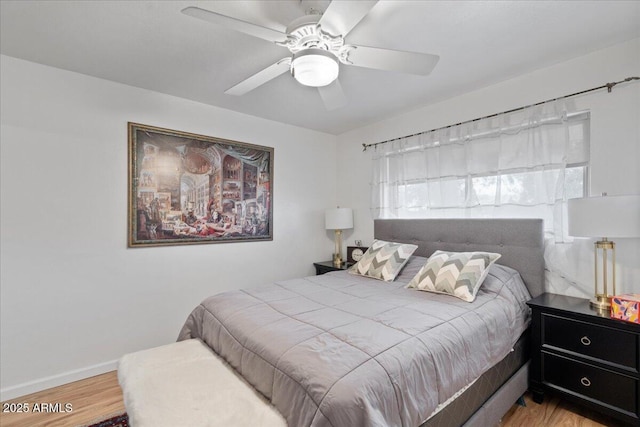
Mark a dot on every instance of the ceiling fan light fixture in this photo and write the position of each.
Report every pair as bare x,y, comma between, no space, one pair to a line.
314,67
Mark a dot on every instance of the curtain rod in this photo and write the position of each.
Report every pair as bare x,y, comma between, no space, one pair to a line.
609,87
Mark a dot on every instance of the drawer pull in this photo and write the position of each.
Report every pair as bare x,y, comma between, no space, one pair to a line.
585,381
585,340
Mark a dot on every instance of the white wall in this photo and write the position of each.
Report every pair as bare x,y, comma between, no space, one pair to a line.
615,146
74,298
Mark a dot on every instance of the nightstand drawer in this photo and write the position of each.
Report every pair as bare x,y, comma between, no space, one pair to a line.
591,382
608,345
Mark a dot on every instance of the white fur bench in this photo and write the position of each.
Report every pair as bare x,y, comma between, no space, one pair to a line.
187,384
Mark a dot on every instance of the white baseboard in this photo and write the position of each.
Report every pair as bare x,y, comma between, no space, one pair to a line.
29,387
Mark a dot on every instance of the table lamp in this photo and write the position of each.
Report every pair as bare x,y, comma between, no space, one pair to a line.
610,216
338,219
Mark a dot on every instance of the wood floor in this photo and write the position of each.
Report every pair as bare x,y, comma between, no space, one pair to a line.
99,397
92,400
554,412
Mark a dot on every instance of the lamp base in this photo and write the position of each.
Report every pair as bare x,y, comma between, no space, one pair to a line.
601,302
337,260
337,253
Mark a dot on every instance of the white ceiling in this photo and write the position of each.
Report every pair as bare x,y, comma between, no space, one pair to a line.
150,44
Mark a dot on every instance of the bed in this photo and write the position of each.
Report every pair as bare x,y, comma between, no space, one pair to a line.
341,349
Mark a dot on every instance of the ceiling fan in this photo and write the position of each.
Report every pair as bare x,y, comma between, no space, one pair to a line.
316,43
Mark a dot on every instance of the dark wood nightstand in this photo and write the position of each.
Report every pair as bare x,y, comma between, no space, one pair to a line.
584,357
327,266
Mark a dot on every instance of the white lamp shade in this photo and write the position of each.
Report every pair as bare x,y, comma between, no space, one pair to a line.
314,67
338,219
605,216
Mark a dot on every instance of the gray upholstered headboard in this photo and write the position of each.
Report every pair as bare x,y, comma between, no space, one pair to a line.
519,241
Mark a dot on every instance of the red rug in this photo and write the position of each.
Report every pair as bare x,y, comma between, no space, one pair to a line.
117,421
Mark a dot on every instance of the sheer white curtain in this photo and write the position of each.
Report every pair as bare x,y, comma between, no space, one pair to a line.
510,165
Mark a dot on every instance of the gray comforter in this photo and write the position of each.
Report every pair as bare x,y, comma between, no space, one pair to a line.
342,350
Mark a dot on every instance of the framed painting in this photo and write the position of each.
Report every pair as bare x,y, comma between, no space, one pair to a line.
187,189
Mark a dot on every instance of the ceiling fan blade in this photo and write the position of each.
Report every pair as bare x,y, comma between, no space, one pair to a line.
235,24
260,78
341,16
333,96
392,60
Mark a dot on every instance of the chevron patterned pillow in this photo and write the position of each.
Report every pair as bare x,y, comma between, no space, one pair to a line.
454,273
383,260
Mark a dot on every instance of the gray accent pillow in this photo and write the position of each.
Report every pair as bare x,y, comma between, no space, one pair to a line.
383,260
459,274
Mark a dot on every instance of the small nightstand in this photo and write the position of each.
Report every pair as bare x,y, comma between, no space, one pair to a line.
584,357
327,266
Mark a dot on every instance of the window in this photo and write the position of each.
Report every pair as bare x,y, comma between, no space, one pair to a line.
521,164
